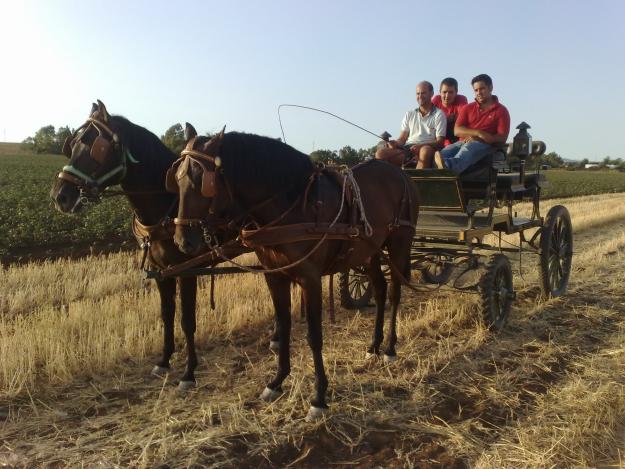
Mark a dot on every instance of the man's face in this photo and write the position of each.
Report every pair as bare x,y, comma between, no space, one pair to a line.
448,94
482,91
424,95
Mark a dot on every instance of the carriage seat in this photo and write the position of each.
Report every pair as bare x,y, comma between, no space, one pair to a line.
489,170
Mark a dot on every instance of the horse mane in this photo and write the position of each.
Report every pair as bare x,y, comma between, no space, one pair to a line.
249,158
154,156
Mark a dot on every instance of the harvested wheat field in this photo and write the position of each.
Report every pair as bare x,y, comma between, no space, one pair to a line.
78,340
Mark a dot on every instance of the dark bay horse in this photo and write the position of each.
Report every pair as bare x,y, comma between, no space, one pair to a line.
109,150
306,222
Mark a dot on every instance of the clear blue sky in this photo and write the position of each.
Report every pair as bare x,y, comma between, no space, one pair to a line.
559,65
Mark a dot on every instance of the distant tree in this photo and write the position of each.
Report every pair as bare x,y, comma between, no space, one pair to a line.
552,159
59,139
365,153
324,156
45,140
349,156
174,138
583,163
28,144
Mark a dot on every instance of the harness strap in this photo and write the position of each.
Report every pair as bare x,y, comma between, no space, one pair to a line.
283,234
159,232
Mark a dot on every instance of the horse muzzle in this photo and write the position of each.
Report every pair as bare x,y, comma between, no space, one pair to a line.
67,197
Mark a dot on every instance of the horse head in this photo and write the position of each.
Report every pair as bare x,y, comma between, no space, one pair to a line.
196,176
97,160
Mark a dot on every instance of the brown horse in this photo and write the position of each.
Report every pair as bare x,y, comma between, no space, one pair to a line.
306,222
109,150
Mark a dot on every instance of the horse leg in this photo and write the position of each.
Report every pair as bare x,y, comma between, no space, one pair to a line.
302,306
280,289
399,258
167,292
188,293
378,282
312,294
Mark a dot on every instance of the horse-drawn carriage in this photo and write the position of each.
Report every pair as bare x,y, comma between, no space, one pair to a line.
263,195
458,212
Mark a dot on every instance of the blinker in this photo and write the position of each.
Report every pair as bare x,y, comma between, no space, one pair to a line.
67,146
100,149
171,184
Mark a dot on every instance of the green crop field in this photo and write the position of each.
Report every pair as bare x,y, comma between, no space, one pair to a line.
29,220
29,223
564,183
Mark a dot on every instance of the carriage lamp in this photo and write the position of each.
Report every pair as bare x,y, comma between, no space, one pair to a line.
522,142
522,148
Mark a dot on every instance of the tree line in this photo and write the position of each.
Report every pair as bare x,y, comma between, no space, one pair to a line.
47,140
50,140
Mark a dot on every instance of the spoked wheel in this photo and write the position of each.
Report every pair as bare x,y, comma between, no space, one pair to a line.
355,290
496,291
437,268
556,252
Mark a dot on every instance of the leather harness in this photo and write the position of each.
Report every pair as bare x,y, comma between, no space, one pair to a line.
272,234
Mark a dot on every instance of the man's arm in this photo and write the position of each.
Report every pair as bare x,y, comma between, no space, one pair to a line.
480,135
401,140
439,143
503,128
440,122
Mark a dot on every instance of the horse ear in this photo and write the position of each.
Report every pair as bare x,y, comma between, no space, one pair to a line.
94,109
189,131
103,112
212,146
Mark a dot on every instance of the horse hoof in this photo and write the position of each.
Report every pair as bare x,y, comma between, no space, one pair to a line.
184,386
269,395
390,358
371,356
160,371
274,346
316,413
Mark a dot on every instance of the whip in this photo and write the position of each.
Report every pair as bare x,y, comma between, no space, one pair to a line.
385,135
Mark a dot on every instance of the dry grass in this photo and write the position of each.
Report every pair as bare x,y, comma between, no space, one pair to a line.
547,392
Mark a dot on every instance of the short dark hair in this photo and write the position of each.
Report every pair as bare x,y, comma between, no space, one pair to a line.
449,81
482,77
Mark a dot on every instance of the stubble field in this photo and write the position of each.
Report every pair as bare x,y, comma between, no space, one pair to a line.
78,339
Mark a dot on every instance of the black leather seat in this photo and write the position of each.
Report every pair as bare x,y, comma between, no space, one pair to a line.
477,179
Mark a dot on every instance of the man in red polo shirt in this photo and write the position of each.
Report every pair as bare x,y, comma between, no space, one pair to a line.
480,125
450,102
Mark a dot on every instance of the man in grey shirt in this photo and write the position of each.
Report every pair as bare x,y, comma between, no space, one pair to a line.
422,133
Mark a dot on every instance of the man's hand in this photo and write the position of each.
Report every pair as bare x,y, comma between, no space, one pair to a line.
414,149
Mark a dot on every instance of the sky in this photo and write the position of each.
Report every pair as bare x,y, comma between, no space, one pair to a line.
557,65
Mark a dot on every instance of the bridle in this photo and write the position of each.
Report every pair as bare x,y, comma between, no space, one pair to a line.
106,142
210,225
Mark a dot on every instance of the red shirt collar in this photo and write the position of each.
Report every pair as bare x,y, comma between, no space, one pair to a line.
494,105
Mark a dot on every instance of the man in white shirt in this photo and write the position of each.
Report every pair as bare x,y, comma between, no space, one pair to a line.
422,133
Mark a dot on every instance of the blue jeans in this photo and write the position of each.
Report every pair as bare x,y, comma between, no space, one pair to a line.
459,156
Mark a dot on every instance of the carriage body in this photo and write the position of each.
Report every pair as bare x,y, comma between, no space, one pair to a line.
464,229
